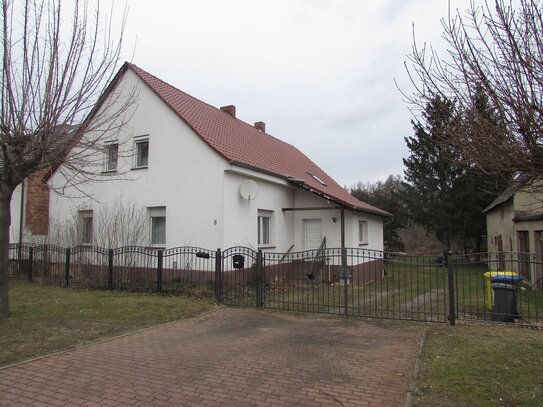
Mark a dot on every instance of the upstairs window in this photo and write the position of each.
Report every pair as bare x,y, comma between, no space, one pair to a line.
85,226
142,153
112,156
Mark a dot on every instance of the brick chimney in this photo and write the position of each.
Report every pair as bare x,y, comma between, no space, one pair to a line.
230,109
260,126
37,203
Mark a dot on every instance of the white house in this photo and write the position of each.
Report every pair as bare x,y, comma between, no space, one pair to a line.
205,178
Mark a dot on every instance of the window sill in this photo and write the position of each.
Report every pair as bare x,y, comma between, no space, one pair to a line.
140,168
107,172
267,246
363,243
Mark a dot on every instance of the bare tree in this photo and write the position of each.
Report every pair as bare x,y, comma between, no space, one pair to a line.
494,52
121,224
56,59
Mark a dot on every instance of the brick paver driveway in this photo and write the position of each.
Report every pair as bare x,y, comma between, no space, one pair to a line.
230,357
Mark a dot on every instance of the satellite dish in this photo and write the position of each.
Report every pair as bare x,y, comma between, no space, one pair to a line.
248,190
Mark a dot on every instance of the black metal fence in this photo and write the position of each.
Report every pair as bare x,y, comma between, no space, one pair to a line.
354,282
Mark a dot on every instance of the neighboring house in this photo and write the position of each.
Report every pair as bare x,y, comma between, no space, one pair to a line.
515,230
30,207
208,179
30,200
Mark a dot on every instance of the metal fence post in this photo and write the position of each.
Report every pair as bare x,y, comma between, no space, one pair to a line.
345,281
450,273
67,268
110,269
30,263
218,276
159,271
259,291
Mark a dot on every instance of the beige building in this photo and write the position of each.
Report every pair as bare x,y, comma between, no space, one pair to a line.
515,231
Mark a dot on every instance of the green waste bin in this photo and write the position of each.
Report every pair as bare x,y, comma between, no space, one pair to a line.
505,290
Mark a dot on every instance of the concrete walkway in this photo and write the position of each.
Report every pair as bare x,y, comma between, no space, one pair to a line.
230,357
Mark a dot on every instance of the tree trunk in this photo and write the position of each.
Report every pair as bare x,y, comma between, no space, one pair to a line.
5,218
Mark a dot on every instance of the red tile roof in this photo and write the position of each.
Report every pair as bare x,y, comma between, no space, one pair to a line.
242,144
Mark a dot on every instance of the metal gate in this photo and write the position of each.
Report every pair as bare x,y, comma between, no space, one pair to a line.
240,280
372,285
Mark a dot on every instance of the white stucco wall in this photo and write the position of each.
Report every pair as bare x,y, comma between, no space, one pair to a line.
15,214
331,223
184,175
287,230
241,217
375,231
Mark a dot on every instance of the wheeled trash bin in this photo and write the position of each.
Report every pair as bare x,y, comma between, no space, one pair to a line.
488,284
505,289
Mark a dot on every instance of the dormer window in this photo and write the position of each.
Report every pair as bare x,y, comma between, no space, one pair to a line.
320,181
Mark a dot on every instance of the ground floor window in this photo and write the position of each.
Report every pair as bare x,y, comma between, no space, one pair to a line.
362,232
265,224
157,217
85,226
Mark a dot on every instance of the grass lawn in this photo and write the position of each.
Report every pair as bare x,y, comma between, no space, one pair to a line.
481,366
49,319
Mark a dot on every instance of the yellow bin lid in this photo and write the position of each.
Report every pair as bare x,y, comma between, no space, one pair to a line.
490,274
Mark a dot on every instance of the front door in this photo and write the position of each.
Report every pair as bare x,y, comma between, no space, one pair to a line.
501,257
524,258
312,234
539,258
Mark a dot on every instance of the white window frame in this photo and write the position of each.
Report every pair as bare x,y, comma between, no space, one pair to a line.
157,212
86,233
107,162
137,142
265,223
363,232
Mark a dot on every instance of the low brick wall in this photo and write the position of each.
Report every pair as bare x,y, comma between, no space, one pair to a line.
299,270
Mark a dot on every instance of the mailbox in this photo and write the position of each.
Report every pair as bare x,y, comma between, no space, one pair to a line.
346,272
238,261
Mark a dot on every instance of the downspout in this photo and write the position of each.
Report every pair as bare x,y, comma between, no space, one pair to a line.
344,263
343,250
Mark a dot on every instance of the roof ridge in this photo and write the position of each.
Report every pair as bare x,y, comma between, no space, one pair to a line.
131,65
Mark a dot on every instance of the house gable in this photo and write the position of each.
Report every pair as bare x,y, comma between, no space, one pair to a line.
183,174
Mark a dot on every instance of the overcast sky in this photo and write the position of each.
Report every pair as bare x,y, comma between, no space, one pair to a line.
319,73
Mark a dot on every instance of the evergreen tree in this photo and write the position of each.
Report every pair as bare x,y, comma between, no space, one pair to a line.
432,172
445,192
387,195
